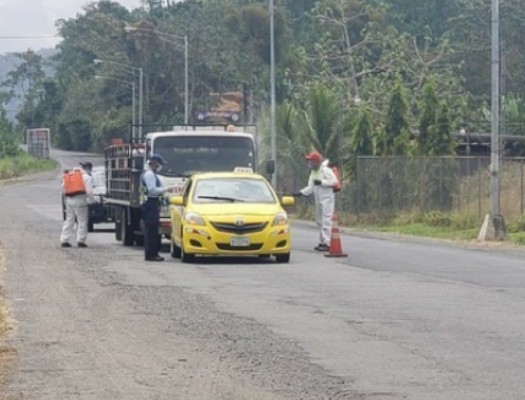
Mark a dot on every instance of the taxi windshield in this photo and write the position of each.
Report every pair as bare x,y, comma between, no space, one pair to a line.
232,190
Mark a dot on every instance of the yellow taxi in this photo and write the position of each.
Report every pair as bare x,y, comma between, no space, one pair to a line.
231,214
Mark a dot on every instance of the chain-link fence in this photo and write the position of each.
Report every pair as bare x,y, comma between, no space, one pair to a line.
387,187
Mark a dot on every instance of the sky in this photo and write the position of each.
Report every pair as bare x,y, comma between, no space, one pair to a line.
37,18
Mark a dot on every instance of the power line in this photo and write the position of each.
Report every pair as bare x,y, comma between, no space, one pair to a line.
37,37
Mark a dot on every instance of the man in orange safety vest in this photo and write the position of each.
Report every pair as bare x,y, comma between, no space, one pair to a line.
77,186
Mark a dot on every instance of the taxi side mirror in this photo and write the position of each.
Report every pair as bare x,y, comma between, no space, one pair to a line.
177,201
287,201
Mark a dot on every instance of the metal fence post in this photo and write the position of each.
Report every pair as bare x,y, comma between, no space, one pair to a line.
358,192
521,186
479,187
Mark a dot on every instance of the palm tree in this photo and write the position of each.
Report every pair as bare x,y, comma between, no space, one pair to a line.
321,122
292,145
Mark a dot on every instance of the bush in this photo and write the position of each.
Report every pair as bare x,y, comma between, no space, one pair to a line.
437,218
518,225
518,238
11,167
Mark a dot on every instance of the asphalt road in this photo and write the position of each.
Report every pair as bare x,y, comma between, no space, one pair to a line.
396,320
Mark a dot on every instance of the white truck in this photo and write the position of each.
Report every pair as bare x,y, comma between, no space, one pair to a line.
187,150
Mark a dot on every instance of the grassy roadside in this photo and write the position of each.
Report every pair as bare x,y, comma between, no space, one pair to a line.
442,226
420,229
434,225
23,164
6,353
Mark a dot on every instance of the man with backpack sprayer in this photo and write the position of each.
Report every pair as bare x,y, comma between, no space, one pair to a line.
78,191
322,183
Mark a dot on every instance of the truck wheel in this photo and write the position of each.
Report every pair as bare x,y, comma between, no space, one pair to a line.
127,230
118,230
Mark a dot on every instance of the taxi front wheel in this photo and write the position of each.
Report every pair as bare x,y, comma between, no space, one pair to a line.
185,257
282,258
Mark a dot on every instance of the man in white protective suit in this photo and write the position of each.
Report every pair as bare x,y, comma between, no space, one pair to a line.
77,207
321,184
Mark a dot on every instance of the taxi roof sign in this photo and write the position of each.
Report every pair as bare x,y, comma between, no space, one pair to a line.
246,170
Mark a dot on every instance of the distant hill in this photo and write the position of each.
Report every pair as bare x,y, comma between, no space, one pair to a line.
9,62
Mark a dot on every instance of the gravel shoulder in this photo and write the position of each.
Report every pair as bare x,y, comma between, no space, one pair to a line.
6,352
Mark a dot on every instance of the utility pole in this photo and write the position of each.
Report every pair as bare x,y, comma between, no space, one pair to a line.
141,101
186,84
163,36
273,145
495,114
494,224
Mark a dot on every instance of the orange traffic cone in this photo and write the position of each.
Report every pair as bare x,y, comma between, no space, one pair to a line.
336,249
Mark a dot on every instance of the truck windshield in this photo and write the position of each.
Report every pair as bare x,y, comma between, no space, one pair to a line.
187,155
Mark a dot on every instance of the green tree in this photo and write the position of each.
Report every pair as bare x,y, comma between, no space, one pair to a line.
439,181
321,122
292,145
363,136
362,140
513,115
8,142
395,140
443,143
427,121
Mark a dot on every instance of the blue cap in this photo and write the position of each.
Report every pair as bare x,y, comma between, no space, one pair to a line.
157,158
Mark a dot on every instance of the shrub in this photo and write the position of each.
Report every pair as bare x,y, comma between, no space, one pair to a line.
518,225
11,167
437,219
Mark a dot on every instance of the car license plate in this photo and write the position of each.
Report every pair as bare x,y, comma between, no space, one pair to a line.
240,241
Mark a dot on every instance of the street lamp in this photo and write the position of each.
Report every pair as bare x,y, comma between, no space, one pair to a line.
273,144
131,70
186,70
133,105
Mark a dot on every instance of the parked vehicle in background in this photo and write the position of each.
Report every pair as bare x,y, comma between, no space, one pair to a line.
38,142
99,212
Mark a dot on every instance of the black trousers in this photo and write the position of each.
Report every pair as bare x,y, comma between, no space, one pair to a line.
151,240
151,216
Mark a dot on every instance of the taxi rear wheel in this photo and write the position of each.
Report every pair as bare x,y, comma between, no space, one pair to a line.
282,258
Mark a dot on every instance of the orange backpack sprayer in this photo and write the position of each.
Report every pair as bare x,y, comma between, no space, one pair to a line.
74,183
339,185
